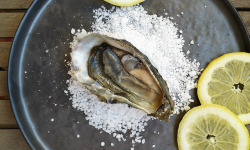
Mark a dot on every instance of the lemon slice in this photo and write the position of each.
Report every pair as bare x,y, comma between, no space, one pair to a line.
212,127
226,81
124,2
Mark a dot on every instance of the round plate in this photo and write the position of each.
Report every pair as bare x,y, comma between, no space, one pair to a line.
37,77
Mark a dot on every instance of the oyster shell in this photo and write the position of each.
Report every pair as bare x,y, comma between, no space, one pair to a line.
117,72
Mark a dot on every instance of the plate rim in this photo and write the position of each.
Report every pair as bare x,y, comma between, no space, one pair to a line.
14,72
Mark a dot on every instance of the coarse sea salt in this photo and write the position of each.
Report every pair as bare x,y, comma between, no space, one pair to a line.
160,40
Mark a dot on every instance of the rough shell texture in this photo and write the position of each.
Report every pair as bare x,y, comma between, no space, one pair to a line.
88,59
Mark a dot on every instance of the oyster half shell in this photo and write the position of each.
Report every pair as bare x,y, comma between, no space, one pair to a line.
117,72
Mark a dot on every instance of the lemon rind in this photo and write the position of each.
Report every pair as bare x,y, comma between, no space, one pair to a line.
245,118
232,118
115,2
206,77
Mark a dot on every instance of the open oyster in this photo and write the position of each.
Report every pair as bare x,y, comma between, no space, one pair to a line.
117,72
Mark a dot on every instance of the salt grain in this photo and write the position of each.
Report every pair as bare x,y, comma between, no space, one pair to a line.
143,141
192,42
66,92
73,31
102,144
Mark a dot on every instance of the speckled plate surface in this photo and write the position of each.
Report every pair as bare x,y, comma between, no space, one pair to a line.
37,79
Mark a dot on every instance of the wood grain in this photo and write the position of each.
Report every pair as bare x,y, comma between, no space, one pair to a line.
9,26
4,54
12,139
15,4
7,119
24,4
241,3
245,15
11,21
3,85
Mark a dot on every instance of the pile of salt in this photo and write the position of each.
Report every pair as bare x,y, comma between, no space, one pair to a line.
156,37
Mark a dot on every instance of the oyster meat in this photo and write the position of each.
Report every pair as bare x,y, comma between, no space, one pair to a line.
117,72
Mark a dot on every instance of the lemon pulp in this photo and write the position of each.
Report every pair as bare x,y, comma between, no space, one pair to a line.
230,87
212,127
211,132
226,81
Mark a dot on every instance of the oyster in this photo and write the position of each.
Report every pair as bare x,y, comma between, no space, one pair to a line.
117,72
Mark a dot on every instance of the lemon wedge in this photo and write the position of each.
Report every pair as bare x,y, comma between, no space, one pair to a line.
226,82
212,127
124,2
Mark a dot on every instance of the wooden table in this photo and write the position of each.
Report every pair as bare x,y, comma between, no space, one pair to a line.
11,13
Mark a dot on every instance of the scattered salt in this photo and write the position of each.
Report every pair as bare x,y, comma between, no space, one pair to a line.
66,92
112,144
52,119
78,136
73,31
102,144
143,141
192,42
153,146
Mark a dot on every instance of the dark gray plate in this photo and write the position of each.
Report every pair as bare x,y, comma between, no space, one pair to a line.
34,75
